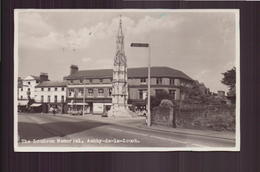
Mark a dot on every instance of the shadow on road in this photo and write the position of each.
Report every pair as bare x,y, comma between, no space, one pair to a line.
30,131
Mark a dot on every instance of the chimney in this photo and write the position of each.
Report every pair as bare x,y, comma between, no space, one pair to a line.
73,69
44,77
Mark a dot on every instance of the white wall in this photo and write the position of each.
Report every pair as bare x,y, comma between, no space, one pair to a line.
45,93
28,83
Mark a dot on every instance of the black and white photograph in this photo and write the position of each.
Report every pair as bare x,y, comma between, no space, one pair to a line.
126,80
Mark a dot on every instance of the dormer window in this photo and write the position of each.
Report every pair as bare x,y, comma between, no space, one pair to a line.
171,81
143,80
159,81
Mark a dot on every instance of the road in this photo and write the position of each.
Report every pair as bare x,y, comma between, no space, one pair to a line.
49,130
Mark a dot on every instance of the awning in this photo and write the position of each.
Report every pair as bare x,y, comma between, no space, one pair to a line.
35,105
22,102
77,104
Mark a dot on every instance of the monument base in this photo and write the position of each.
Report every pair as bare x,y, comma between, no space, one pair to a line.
120,112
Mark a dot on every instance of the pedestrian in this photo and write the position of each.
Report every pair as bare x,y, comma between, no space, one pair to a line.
54,111
51,109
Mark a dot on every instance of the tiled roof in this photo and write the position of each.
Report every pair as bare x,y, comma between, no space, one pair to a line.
52,84
131,73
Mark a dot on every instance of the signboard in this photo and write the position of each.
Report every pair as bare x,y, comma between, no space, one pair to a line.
98,108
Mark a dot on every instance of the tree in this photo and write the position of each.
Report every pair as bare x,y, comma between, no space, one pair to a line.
229,80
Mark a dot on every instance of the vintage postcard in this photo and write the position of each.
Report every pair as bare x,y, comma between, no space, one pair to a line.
126,80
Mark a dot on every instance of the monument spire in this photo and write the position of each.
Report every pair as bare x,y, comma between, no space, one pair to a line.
119,85
120,57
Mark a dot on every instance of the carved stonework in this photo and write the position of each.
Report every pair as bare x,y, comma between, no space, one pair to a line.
119,86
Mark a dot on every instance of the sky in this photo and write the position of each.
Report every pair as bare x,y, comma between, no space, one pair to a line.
201,44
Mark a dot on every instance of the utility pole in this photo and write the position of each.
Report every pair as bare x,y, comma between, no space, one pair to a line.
84,94
146,45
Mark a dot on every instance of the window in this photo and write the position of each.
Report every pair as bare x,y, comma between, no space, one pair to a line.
90,92
71,92
28,89
62,88
172,94
110,92
55,88
42,89
21,89
141,94
49,89
158,80
143,80
49,99
42,99
100,92
62,99
81,81
171,81
29,83
100,80
55,98
90,80
21,97
80,92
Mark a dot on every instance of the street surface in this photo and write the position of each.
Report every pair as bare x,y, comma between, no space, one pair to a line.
36,129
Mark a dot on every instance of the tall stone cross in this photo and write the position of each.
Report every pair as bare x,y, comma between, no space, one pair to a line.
119,85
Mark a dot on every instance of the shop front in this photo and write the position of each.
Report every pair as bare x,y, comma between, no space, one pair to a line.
90,106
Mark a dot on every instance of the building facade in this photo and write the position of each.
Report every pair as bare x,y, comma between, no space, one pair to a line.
26,88
93,88
52,94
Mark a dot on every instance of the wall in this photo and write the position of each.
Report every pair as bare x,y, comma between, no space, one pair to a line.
59,93
23,91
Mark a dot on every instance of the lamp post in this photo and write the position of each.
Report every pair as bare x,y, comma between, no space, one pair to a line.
84,94
146,45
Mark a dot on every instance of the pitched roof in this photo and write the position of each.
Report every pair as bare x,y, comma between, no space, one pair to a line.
52,84
131,73
37,78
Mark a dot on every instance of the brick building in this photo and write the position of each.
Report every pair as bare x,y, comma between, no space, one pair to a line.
93,88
